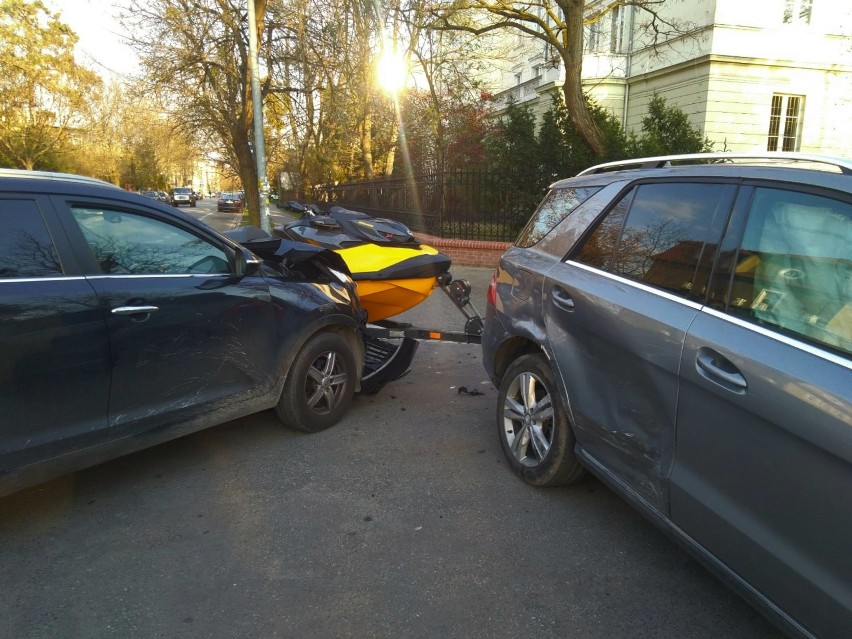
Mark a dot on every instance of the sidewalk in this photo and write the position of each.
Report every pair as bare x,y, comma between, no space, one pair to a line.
279,216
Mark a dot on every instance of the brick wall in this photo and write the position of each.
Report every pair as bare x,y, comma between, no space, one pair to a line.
466,252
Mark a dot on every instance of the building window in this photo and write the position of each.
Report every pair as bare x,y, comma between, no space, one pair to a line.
797,11
593,37
616,41
784,122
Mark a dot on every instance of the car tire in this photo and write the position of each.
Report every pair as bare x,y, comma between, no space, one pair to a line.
534,428
320,384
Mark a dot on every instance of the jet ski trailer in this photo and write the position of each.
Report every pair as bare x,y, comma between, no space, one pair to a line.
385,360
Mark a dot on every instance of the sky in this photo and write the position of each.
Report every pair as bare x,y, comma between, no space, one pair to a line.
101,47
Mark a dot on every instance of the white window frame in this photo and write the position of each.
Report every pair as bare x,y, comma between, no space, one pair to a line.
797,11
593,37
617,31
785,122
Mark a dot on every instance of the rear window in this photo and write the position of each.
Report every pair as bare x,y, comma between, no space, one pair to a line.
557,205
661,234
26,248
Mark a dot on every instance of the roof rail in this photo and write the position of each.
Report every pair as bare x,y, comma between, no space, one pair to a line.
50,175
719,157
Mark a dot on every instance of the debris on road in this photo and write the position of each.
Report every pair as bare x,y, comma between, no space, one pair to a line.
472,391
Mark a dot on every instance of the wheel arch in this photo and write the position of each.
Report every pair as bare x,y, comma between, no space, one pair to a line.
328,324
510,350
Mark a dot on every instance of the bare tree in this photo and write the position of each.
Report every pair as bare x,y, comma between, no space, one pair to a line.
322,99
443,62
194,54
559,25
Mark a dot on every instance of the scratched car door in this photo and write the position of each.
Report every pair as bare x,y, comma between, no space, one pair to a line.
188,337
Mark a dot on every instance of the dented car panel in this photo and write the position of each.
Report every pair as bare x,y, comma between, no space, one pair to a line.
618,350
685,334
126,323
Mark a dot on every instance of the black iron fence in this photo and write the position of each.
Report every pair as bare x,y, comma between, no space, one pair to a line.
472,204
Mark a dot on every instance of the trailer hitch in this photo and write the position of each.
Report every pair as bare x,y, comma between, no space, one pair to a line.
459,293
387,361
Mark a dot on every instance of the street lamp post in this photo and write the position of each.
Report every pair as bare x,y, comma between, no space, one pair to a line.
257,111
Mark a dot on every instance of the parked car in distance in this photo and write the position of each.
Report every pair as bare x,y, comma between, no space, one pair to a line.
229,202
154,195
682,328
183,195
125,323
164,197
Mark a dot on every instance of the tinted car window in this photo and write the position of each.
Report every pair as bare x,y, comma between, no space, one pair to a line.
558,205
26,248
793,271
599,247
126,243
667,239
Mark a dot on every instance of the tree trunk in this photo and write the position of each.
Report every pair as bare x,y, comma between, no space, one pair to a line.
248,176
367,145
248,163
572,88
391,157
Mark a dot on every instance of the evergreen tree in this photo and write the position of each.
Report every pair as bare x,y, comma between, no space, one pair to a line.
513,146
665,131
564,152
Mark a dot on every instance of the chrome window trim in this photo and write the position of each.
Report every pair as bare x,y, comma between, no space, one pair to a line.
136,276
67,278
52,278
644,287
779,337
766,332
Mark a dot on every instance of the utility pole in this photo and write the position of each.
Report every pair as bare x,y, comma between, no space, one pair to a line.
257,110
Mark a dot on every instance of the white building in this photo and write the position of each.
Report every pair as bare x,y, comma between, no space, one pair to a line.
751,74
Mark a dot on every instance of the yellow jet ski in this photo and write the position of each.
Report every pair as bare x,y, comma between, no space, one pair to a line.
392,270
392,273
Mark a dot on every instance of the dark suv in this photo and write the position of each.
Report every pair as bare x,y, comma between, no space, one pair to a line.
125,323
183,195
682,328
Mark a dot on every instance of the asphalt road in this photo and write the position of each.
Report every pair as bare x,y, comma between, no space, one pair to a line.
401,521
205,210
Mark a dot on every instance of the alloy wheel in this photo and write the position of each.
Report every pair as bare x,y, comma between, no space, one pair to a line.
528,419
325,383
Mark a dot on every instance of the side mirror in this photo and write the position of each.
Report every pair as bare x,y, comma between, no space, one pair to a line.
245,263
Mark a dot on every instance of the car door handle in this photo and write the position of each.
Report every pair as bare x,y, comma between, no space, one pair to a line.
562,299
134,310
719,369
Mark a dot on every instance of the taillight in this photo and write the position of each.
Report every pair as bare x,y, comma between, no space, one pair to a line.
491,296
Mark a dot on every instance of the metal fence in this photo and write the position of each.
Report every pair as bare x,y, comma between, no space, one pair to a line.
467,204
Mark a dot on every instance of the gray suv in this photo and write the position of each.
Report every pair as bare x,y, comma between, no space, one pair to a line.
681,327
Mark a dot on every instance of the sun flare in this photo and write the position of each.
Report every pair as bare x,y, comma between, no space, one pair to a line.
392,71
